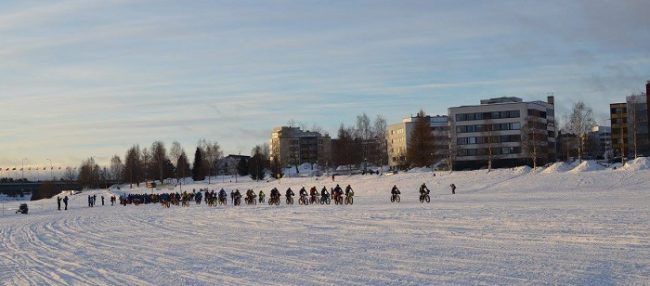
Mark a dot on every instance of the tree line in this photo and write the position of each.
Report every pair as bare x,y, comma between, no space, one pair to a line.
157,163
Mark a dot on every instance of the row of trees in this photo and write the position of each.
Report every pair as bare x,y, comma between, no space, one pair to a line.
361,144
154,163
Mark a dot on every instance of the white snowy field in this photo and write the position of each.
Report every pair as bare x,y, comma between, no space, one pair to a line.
509,226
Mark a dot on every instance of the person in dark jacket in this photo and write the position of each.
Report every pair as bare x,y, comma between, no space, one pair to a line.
453,189
65,202
58,203
424,190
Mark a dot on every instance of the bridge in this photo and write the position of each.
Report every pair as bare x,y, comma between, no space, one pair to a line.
30,187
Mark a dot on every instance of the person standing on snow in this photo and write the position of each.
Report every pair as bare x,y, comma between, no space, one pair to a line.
58,202
453,189
65,202
102,201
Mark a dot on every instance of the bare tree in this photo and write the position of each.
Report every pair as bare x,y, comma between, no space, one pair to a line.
70,174
379,130
579,122
533,140
116,169
89,173
146,163
158,158
212,152
489,139
132,171
175,151
453,148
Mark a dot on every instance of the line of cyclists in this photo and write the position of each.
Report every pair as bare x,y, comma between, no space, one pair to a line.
424,193
212,198
337,194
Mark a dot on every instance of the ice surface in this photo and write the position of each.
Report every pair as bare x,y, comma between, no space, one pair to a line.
505,227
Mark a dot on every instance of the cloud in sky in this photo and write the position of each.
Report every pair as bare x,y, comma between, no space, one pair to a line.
81,78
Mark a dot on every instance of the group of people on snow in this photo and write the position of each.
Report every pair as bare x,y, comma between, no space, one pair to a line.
211,198
65,202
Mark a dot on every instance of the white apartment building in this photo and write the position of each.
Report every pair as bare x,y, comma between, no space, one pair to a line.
496,125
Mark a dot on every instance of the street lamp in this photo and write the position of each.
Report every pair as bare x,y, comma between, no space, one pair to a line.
22,168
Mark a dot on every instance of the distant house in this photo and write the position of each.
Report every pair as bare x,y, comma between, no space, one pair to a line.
228,165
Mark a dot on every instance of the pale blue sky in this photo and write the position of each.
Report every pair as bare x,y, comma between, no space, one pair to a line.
81,78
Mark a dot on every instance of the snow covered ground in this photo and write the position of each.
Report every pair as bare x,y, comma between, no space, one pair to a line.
511,226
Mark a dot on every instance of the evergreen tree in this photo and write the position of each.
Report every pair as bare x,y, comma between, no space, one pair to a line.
198,168
242,167
421,148
182,166
257,165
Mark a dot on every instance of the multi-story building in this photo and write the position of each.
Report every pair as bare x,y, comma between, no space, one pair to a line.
398,137
600,142
618,118
630,125
637,125
293,146
495,129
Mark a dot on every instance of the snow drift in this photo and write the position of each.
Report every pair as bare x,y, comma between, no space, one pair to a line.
637,164
560,167
588,166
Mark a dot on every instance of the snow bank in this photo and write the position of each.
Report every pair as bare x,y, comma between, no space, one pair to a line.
304,169
559,167
522,170
637,164
419,170
588,166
